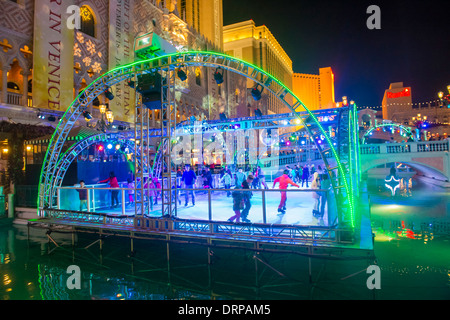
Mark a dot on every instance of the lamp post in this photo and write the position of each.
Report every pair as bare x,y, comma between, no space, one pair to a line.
107,118
445,99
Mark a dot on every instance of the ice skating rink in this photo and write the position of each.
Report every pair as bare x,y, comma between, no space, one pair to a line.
299,206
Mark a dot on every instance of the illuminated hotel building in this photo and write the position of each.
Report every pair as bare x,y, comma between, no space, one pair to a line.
258,46
104,41
34,35
315,91
396,100
205,16
397,106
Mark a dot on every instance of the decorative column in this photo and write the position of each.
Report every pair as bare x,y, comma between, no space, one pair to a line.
4,96
25,73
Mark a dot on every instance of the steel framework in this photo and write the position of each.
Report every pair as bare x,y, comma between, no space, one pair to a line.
341,147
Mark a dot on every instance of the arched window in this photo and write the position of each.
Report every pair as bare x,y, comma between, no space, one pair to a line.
87,21
12,85
198,77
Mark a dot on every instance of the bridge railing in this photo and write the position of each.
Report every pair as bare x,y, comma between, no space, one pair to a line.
409,147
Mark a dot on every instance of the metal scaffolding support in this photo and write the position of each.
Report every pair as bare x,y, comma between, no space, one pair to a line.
336,147
168,123
141,158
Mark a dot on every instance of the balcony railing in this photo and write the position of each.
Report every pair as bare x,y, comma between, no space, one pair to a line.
410,147
16,98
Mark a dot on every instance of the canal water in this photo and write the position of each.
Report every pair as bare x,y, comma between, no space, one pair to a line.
411,248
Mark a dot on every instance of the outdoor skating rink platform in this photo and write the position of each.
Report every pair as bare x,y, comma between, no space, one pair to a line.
206,221
299,208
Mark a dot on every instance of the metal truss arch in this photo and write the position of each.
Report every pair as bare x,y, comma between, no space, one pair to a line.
70,155
340,174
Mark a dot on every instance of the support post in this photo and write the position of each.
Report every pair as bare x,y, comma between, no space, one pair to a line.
209,205
88,201
264,206
123,201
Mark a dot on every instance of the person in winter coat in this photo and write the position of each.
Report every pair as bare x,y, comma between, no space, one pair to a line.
284,181
226,179
238,204
113,183
305,176
315,184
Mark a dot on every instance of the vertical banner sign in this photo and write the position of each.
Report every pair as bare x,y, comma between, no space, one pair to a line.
53,55
121,44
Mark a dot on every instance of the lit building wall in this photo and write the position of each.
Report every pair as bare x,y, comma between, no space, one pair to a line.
327,100
258,46
396,99
397,106
315,91
204,16
93,54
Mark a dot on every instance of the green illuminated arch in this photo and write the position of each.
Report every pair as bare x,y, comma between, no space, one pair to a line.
396,125
341,178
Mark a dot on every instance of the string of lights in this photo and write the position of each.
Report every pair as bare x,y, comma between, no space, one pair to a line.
431,102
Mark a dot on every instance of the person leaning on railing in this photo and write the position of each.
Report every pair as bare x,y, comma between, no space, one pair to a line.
82,193
113,183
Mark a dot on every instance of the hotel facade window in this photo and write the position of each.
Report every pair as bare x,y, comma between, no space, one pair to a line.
198,76
87,21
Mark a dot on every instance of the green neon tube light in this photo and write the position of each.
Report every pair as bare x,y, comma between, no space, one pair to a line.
178,54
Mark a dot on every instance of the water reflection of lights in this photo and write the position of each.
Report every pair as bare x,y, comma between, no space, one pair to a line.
405,232
4,258
389,209
392,184
6,279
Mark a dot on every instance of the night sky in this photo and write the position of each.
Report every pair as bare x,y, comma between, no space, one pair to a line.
413,45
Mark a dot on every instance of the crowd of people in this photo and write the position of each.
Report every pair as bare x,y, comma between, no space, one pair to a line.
238,184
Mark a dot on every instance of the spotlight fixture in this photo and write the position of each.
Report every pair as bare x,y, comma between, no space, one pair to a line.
223,116
109,146
109,94
131,84
87,115
218,75
52,118
41,116
149,86
258,113
182,74
256,93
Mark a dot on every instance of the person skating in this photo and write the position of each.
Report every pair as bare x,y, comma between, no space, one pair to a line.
114,185
315,185
247,195
284,181
305,176
237,206
226,179
82,192
189,178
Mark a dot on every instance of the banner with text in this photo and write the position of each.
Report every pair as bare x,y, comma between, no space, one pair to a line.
52,55
121,39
